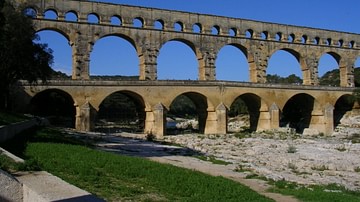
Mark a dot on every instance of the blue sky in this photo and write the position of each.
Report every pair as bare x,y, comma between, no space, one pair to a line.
115,56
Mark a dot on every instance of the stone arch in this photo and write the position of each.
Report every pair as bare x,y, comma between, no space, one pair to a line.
55,104
233,31
181,71
216,30
327,59
279,53
31,11
201,104
124,110
58,42
234,76
124,62
197,28
297,112
159,24
138,22
93,18
179,26
69,15
116,20
344,104
253,105
51,14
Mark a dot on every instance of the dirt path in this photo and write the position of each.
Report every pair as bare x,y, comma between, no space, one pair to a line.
176,156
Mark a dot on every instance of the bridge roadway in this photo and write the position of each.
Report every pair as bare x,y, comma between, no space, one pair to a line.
315,106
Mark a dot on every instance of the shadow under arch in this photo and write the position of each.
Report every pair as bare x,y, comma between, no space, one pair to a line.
121,111
56,105
250,104
297,112
198,108
343,104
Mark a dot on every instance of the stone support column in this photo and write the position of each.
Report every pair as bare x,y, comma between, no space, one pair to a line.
159,129
310,72
258,62
317,121
347,73
207,65
274,116
329,119
148,62
81,48
221,117
264,121
85,116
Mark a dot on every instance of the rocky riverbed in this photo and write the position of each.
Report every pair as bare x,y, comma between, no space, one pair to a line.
284,155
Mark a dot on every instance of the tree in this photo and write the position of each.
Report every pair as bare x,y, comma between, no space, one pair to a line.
20,57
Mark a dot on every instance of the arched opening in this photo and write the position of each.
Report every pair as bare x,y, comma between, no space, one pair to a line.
357,72
304,39
122,111
328,70
159,24
316,40
232,32
138,22
278,36
215,30
249,33
343,105
71,16
291,38
187,114
121,63
329,41
297,112
284,67
352,44
62,52
175,66
244,113
93,18
264,35
30,12
115,20
197,28
56,105
50,14
232,64
340,43
178,26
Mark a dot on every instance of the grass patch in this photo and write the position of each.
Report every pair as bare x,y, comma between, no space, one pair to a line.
315,193
115,177
121,178
212,159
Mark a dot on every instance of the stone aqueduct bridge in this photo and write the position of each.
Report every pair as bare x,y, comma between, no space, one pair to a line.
257,40
266,102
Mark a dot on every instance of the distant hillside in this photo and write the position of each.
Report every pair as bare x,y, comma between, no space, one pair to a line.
332,78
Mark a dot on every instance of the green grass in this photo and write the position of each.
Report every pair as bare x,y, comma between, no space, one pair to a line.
122,178
115,177
316,193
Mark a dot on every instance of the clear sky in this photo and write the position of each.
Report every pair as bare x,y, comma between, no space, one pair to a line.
115,56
